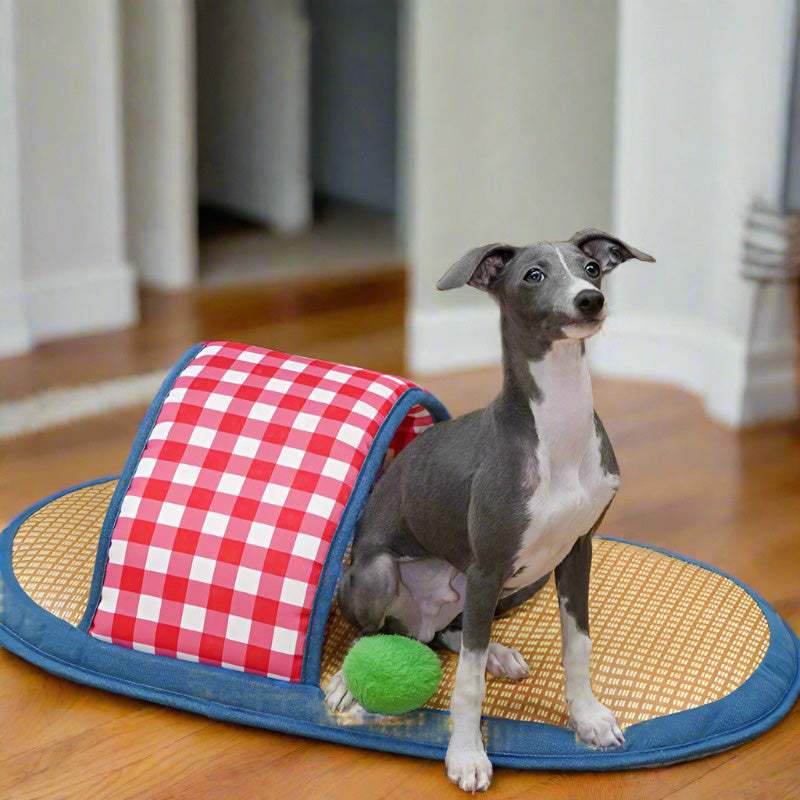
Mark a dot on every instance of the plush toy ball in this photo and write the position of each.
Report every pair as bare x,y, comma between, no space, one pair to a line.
391,674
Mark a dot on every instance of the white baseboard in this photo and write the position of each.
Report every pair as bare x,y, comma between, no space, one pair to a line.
445,339
13,343
14,336
738,387
81,301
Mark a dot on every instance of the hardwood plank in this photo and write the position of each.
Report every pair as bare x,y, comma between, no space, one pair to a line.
765,769
49,710
262,314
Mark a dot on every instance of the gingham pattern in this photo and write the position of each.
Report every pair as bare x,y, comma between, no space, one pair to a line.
220,540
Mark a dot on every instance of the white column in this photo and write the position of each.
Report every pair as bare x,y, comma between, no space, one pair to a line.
14,335
68,86
507,135
703,101
159,132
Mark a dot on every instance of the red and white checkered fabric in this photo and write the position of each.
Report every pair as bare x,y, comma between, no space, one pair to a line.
221,538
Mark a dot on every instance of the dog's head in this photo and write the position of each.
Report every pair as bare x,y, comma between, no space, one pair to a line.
365,591
550,288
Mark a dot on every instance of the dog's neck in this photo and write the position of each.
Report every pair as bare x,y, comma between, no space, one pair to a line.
551,381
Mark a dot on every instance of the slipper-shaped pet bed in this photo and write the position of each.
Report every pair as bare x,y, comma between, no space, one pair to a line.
203,578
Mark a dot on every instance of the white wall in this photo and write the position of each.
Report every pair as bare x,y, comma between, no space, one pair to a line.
702,114
354,100
508,124
159,137
69,167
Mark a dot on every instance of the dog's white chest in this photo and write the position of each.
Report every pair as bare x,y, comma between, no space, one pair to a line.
570,486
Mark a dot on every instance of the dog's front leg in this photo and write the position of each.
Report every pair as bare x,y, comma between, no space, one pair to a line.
467,764
592,721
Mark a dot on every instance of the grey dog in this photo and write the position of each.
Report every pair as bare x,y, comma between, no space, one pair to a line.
476,512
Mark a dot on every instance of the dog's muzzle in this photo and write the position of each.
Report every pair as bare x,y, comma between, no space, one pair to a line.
589,302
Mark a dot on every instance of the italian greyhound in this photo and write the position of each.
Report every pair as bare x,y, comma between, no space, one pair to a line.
476,512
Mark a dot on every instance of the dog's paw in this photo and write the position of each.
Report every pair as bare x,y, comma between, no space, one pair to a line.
468,767
595,724
503,662
338,697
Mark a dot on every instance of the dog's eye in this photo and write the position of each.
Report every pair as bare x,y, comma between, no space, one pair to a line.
593,270
534,276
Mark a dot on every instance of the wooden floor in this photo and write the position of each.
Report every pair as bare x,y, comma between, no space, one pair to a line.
334,317
687,484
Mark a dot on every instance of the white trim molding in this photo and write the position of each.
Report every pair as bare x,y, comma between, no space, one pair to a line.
738,387
81,301
14,334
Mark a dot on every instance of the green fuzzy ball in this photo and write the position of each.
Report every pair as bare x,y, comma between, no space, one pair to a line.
391,674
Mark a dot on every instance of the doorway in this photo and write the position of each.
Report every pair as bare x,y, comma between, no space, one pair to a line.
297,118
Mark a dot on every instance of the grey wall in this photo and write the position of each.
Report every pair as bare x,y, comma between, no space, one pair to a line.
354,100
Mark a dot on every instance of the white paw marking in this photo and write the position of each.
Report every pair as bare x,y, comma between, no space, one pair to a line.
595,724
468,767
503,662
338,697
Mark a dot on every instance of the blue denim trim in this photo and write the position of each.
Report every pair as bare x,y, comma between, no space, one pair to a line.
315,636
36,635
142,435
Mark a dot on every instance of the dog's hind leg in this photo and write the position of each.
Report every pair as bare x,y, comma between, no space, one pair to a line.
591,720
501,661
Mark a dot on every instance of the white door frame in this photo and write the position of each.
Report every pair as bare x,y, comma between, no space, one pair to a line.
158,67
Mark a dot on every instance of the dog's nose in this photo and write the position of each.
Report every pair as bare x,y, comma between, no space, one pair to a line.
589,302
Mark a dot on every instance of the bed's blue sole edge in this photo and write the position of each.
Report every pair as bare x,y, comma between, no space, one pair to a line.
52,644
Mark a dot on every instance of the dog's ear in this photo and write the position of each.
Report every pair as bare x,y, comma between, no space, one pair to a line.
479,267
607,250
